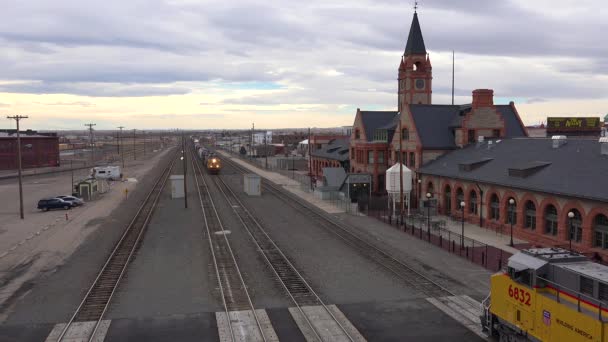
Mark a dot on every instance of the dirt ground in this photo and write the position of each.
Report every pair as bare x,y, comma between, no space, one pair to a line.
44,240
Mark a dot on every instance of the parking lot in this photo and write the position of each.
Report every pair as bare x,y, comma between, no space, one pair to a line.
43,240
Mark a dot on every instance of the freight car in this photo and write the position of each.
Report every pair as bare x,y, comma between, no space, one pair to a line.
214,164
548,294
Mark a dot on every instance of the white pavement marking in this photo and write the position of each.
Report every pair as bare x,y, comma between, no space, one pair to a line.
244,326
463,309
80,332
324,325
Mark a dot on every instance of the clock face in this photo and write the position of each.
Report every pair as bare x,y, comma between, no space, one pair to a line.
419,84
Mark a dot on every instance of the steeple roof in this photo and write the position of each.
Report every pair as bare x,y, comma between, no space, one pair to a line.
415,42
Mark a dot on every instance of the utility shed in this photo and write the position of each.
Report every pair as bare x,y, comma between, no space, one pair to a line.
177,186
253,184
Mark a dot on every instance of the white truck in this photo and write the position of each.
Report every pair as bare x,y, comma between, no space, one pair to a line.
106,172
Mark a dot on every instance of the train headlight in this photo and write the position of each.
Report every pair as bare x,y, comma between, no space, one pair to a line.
214,160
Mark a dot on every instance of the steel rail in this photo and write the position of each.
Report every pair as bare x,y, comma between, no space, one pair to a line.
397,267
283,275
109,274
199,173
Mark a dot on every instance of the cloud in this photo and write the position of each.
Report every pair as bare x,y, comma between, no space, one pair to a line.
93,89
68,104
259,56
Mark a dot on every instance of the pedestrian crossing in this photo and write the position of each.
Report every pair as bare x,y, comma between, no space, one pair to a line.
316,324
463,309
312,323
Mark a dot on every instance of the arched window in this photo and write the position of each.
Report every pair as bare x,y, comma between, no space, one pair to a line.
600,231
551,220
459,196
575,226
511,211
405,134
357,134
530,213
447,200
494,207
473,202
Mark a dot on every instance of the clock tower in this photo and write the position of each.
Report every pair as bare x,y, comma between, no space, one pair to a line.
415,71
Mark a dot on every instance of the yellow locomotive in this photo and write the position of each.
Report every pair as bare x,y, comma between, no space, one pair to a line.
214,164
548,294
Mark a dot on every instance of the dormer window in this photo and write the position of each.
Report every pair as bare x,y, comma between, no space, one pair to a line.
381,135
357,134
405,134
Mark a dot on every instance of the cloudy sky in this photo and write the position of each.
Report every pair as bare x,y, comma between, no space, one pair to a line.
225,64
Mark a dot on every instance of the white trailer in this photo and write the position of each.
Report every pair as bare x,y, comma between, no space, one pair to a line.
106,172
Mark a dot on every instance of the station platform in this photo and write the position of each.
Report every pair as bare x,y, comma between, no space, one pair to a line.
498,239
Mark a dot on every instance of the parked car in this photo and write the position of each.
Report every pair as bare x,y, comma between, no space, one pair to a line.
47,204
75,201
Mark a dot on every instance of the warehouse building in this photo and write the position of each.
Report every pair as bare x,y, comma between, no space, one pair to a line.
37,149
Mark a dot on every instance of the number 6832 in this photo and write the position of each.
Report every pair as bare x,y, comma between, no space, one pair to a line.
520,294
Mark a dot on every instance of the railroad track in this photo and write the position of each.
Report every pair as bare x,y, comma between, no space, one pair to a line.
97,299
412,277
231,285
296,287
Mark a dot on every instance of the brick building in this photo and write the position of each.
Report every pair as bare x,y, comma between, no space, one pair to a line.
37,150
427,130
547,179
334,153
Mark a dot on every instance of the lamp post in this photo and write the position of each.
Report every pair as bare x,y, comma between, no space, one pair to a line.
570,217
462,205
428,215
419,188
511,211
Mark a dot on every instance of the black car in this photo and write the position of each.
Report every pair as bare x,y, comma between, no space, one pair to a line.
53,203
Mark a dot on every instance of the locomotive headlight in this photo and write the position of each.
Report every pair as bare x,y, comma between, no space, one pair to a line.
214,160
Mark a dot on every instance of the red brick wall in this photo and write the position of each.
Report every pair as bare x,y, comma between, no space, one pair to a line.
588,209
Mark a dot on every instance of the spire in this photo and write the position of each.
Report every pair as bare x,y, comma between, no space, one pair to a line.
415,43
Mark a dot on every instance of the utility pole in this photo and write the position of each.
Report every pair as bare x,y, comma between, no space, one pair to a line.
251,142
120,148
134,157
17,118
144,132
185,169
266,148
90,125
310,160
452,77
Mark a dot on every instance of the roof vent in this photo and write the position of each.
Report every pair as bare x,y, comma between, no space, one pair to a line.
604,146
559,140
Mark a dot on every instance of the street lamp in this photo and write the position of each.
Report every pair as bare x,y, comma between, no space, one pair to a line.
570,217
418,195
462,205
428,215
511,212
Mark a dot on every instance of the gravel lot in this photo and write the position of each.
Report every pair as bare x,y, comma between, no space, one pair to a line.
51,296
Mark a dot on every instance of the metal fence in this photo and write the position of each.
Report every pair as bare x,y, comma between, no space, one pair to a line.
434,232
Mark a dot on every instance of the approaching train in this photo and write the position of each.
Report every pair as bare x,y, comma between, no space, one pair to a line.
548,294
214,164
